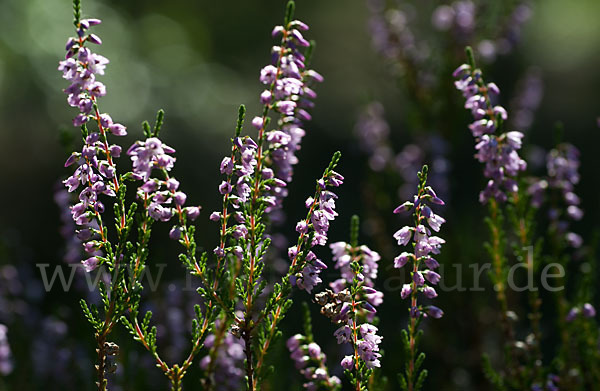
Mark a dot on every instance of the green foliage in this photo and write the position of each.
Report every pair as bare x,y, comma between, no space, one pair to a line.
354,228
307,322
76,12
421,380
240,121
494,377
160,117
91,317
289,12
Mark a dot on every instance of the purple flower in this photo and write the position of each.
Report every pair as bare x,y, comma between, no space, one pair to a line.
6,365
405,207
562,164
159,212
286,107
302,227
225,187
348,362
229,359
434,312
175,233
403,236
421,263
149,154
192,212
309,278
268,74
343,334
294,342
289,93
435,222
429,292
588,310
573,312
226,166
343,256
166,200
90,264
310,361
430,262
432,276
314,350
406,291
321,212
574,240
499,154
180,198
418,278
368,346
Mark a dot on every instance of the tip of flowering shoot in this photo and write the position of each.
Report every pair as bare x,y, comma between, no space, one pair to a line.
334,161
470,56
289,12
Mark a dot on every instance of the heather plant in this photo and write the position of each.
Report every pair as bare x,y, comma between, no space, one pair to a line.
422,275
498,152
257,173
351,303
576,315
507,195
309,358
419,44
111,210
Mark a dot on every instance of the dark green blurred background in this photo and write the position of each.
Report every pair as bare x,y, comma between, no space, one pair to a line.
199,60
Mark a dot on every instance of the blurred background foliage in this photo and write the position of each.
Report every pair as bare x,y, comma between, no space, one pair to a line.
199,60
